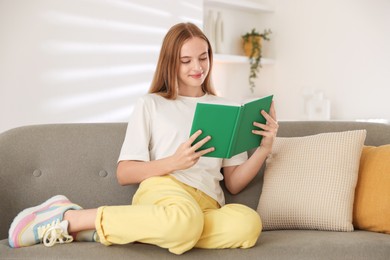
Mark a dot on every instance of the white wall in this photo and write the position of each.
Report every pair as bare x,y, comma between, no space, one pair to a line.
81,60
340,47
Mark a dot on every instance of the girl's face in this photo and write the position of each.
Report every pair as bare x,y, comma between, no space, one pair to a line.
194,66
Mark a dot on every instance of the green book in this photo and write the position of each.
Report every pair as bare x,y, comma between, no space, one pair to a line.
230,126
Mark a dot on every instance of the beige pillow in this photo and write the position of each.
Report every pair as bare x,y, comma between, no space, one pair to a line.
309,182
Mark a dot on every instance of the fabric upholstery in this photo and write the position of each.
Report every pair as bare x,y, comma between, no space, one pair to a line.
79,161
372,197
280,244
310,182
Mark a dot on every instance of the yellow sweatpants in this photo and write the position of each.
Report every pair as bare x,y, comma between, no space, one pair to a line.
170,214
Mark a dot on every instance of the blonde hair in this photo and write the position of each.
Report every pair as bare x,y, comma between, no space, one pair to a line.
165,80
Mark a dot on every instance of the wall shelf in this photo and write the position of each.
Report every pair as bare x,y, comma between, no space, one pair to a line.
228,58
231,67
247,7
242,5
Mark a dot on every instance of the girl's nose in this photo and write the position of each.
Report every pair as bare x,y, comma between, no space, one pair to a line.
197,65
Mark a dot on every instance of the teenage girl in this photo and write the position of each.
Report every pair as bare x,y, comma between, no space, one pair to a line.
179,203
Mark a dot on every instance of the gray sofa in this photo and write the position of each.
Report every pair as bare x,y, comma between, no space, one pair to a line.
79,161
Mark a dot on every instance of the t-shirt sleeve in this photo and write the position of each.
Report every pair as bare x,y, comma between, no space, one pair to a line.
235,160
137,139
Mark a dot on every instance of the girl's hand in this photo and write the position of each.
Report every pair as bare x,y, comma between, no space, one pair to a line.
187,155
269,130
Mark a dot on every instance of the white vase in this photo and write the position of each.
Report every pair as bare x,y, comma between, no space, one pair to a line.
318,107
209,29
219,33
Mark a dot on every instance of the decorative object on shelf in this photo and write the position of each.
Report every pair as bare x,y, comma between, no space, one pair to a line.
252,43
219,34
316,105
210,29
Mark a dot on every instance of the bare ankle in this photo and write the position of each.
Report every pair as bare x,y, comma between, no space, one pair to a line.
80,220
67,215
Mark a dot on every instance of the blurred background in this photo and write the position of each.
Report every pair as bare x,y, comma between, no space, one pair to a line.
71,61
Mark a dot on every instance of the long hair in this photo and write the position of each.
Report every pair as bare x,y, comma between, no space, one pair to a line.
165,80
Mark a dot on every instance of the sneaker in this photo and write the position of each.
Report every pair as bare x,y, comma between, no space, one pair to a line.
42,224
56,232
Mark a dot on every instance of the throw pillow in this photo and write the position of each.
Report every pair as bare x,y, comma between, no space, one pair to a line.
309,182
372,196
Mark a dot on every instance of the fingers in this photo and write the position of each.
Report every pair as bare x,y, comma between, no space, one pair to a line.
268,126
265,133
270,120
203,152
271,126
194,136
199,144
187,155
272,111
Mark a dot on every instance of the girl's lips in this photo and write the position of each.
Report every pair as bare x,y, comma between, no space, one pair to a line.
196,76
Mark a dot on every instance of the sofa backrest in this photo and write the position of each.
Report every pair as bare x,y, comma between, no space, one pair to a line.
79,161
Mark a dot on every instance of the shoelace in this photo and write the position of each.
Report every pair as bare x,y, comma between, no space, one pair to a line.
54,233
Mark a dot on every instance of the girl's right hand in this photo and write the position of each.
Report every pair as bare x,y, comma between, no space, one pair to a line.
187,154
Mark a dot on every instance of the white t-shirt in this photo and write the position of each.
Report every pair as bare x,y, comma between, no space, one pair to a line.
156,129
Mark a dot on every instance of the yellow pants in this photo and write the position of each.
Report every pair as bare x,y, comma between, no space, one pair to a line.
170,214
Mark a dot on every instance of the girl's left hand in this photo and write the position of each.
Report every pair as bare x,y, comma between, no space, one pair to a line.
268,130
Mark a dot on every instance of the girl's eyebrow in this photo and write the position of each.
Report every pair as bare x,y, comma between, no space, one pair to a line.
183,57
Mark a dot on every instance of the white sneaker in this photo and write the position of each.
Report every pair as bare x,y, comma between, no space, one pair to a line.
42,224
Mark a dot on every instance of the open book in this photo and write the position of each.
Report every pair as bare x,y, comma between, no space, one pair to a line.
230,126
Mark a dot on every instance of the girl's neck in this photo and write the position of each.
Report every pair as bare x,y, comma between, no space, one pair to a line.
194,92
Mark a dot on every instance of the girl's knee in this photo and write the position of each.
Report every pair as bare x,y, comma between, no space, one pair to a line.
246,226
185,226
184,230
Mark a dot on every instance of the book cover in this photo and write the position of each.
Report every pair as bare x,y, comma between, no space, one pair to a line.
230,126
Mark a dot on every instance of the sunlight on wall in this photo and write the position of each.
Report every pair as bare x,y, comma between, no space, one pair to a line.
147,7
83,99
80,47
77,20
75,74
194,8
99,56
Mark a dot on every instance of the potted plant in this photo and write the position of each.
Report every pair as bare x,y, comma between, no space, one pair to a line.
252,47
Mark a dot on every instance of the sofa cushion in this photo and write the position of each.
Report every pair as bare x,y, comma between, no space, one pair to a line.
372,197
280,244
309,182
